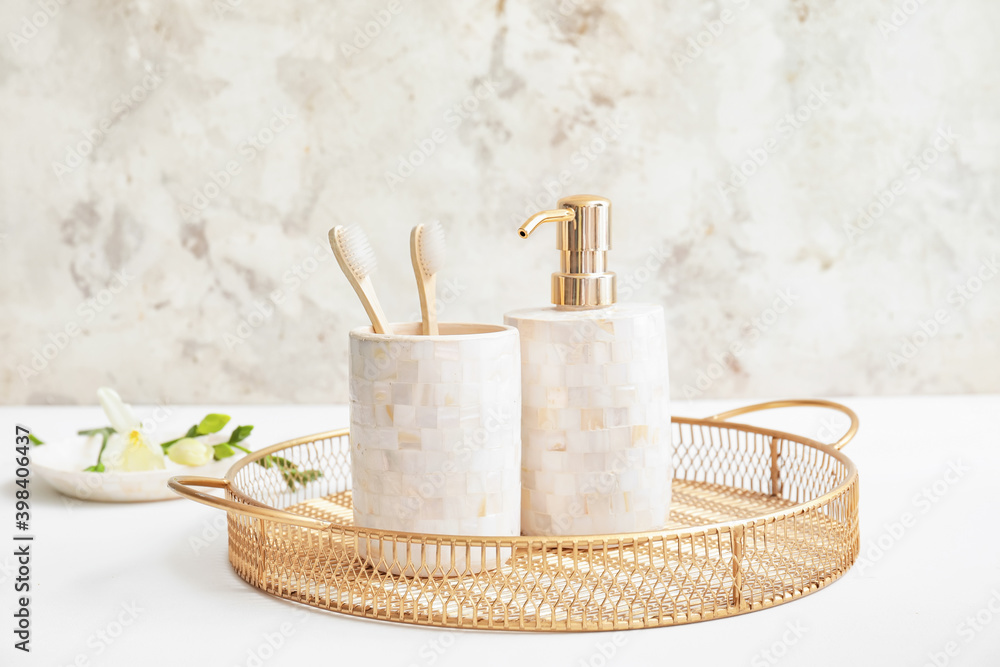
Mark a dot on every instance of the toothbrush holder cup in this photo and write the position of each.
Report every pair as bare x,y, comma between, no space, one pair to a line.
435,444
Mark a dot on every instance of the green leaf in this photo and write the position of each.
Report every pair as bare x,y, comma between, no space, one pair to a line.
282,462
269,461
34,440
239,434
104,430
293,477
94,468
223,451
212,423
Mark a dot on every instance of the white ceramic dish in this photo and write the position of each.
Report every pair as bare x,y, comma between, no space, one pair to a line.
61,464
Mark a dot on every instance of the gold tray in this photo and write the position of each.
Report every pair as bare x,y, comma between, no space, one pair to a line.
758,518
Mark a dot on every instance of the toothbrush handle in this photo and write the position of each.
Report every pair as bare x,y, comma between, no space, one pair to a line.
426,288
428,306
366,291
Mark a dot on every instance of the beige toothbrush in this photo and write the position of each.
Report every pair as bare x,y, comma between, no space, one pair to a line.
357,259
427,251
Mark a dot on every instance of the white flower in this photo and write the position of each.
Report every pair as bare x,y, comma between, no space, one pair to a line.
128,449
190,452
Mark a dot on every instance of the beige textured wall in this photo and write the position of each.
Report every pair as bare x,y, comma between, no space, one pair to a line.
169,171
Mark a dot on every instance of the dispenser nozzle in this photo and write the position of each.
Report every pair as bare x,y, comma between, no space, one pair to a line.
558,215
583,240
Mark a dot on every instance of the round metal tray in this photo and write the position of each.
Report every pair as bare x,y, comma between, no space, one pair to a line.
759,517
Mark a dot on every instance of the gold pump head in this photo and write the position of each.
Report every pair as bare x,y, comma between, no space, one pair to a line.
583,239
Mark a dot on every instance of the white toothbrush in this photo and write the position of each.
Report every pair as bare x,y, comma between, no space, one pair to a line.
357,259
427,250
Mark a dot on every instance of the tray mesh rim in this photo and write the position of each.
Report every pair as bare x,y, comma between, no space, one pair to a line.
294,559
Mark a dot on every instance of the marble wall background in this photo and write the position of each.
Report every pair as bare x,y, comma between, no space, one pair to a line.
741,142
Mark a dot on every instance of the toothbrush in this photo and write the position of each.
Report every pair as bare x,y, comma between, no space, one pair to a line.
427,250
357,259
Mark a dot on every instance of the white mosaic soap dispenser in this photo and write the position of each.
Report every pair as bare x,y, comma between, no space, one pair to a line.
595,423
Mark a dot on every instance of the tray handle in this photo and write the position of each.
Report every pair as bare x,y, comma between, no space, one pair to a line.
794,403
185,486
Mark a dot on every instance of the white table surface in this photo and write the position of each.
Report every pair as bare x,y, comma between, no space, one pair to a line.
908,605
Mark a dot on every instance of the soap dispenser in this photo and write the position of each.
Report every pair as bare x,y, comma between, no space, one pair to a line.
595,423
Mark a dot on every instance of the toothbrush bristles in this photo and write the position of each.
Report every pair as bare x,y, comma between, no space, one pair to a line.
357,251
432,248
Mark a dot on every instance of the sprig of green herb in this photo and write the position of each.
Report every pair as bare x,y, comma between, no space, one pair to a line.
212,423
34,440
105,433
290,471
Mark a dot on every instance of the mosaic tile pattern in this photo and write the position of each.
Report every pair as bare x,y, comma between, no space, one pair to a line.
595,420
435,431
